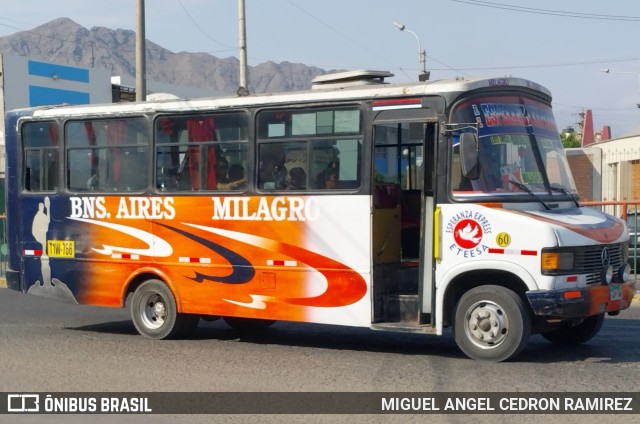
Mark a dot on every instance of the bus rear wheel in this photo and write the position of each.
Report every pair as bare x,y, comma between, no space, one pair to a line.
154,312
492,323
577,334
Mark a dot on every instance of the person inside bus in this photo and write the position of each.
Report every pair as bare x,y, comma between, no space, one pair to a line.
490,174
170,181
297,179
236,172
327,179
235,178
272,173
93,183
222,167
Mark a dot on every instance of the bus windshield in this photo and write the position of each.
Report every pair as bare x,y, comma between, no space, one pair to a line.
520,151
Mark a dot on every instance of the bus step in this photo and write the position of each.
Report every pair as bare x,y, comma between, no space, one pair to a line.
402,308
404,327
405,279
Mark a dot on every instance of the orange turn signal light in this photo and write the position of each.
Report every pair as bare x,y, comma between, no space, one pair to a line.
572,294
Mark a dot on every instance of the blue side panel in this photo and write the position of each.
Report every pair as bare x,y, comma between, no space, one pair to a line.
48,70
11,198
42,96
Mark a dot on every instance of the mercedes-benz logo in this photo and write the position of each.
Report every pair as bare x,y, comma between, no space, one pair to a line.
605,257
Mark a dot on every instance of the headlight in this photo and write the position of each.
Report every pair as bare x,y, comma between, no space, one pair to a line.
553,262
607,274
624,273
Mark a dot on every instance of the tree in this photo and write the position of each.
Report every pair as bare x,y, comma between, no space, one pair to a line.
570,140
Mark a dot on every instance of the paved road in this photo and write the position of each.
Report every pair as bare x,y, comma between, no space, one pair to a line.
49,346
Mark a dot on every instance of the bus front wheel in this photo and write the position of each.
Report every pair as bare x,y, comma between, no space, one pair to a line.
491,323
154,313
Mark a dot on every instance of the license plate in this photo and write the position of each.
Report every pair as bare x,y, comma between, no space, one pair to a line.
615,292
60,248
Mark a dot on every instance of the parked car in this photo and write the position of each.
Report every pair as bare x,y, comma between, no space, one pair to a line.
632,224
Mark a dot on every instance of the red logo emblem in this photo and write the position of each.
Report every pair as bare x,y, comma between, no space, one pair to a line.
467,233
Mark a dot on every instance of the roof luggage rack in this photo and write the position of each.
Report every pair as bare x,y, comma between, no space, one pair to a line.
350,78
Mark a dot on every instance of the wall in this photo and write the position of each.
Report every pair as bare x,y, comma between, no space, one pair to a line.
586,166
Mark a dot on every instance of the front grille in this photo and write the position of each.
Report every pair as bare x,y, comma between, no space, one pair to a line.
588,259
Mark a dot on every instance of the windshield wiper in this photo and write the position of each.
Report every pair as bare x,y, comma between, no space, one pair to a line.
525,188
561,189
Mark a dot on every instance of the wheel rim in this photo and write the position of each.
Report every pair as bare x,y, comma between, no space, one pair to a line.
486,324
153,310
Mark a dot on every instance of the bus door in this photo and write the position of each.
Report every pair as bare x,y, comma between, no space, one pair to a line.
402,222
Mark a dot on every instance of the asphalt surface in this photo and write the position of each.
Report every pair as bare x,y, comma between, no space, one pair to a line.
50,346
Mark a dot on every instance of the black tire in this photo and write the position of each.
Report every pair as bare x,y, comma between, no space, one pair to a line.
248,324
154,313
577,334
491,323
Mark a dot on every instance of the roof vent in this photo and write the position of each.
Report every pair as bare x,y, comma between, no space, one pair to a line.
350,79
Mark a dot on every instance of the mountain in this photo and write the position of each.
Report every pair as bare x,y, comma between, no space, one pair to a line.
66,42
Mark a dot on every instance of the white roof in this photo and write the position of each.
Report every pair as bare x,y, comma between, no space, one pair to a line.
331,93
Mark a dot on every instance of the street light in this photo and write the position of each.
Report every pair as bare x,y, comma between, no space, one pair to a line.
422,55
609,71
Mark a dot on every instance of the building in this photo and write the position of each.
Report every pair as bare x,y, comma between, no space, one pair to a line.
26,82
608,170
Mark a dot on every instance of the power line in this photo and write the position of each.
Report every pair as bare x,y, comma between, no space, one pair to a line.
202,30
547,65
451,68
445,67
564,13
343,35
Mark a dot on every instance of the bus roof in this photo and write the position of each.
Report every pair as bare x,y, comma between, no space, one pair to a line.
324,92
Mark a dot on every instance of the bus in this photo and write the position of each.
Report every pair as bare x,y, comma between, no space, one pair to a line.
396,207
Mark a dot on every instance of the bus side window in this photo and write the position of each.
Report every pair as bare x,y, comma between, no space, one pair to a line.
41,156
127,140
196,152
107,154
311,148
336,164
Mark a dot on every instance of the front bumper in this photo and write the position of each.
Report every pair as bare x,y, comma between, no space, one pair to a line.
580,302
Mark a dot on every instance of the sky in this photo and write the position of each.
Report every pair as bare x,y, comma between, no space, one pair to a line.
563,45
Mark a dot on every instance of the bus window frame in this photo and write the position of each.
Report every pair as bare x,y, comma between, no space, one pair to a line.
22,156
359,138
247,114
483,197
97,118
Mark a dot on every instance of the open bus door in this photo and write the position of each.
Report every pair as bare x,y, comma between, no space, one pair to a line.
402,225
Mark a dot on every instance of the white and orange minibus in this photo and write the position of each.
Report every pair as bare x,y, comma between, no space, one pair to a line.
401,207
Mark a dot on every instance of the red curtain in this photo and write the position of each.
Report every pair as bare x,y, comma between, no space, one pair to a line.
116,132
54,133
201,130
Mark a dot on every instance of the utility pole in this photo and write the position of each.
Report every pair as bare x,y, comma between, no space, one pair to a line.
422,54
141,67
243,90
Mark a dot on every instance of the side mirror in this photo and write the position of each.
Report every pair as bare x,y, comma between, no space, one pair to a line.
469,155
